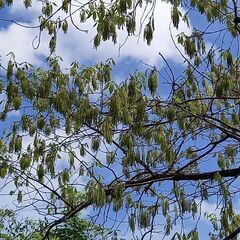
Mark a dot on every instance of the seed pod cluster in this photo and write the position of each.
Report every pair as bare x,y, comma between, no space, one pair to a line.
153,81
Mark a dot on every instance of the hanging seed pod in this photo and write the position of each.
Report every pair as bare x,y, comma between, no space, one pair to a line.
40,122
17,102
204,192
65,26
83,15
132,87
110,158
18,144
25,161
127,117
115,107
71,158
175,16
117,204
118,190
165,207
52,44
122,6
194,235
40,173
129,201
168,225
81,170
3,169
106,73
170,114
99,195
131,222
82,151
19,196
1,4
95,83
130,25
27,3
229,59
183,202
224,220
97,40
65,176
148,33
141,110
194,208
144,219
219,90
65,5
95,144
9,70
153,81
47,9
107,130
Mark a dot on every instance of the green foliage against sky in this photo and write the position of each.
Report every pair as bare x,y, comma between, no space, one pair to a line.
14,228
155,158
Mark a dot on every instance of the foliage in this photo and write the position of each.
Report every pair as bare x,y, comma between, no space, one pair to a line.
156,158
77,229
13,228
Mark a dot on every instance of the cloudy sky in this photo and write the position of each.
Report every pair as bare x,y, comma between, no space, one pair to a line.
76,45
19,40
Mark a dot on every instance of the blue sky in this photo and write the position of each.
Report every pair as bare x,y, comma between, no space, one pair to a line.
76,45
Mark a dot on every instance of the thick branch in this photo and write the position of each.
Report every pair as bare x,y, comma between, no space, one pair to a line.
66,217
154,178
233,234
183,176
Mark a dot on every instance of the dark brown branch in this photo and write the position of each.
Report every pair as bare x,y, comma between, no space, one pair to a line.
214,145
233,234
183,177
65,217
156,178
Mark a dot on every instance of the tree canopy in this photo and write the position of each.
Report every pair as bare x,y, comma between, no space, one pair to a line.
12,228
152,148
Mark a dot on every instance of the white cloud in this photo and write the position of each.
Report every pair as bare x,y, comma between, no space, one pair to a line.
135,47
207,207
76,45
19,9
19,41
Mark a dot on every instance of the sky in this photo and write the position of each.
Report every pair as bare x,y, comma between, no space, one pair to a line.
78,46
135,48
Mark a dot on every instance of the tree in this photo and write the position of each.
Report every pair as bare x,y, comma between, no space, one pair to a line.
153,158
12,228
77,229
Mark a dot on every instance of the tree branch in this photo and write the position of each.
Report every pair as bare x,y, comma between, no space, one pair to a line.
155,178
233,234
